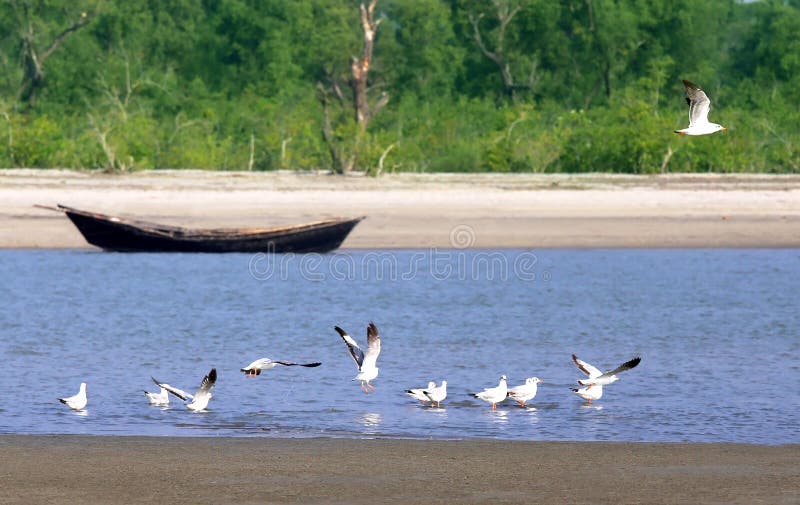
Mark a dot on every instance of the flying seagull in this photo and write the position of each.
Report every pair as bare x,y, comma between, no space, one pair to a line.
436,394
200,399
161,398
78,401
419,394
589,393
258,365
367,370
596,377
699,105
525,392
494,395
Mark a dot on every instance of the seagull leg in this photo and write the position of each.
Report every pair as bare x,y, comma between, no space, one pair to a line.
494,406
370,386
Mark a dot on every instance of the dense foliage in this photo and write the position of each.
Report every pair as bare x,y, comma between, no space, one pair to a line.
473,85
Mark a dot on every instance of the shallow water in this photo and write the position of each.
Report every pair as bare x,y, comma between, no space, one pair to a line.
717,331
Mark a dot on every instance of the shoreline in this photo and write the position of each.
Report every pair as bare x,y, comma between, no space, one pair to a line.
114,469
414,211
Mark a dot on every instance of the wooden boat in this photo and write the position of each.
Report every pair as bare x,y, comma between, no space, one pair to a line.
131,235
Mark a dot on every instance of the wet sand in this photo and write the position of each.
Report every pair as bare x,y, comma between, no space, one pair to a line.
110,470
423,210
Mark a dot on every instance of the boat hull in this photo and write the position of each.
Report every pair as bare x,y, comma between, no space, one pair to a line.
122,235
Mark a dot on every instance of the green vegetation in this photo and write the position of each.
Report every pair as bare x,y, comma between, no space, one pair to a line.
472,85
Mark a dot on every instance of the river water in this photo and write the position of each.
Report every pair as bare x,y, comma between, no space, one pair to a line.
717,331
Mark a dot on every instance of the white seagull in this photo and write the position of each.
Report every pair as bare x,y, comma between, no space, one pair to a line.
258,365
699,105
419,394
525,392
436,394
602,378
78,401
161,398
589,393
494,395
200,399
367,370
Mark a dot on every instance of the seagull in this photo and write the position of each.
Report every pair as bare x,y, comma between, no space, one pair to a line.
367,370
200,399
589,393
161,398
494,395
258,365
436,394
525,392
78,401
419,394
602,378
699,105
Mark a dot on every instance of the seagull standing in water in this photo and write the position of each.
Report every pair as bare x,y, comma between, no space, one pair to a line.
367,369
436,394
258,365
161,398
494,395
525,392
589,393
199,401
699,105
419,394
78,401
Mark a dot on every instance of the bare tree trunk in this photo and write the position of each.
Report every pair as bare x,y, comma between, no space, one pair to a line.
33,62
362,109
360,69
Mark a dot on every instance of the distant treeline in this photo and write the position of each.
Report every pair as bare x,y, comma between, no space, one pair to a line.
452,85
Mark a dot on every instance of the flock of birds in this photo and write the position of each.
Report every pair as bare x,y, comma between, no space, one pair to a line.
368,370
699,107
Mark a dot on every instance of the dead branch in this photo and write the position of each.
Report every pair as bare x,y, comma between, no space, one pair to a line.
505,13
33,73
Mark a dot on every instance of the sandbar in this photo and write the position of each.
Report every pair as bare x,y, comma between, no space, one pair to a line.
415,211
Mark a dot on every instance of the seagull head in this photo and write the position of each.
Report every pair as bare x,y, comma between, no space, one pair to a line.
718,127
533,380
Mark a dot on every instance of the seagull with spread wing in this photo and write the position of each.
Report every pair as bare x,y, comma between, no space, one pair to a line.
198,401
367,369
258,365
596,377
699,105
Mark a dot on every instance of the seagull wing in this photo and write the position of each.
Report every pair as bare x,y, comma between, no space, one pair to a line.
287,363
625,366
586,368
352,346
373,346
183,395
208,383
699,104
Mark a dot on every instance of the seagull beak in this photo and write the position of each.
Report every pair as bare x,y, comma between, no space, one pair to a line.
724,129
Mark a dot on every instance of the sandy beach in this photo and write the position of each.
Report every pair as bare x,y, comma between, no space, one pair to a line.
423,210
110,470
